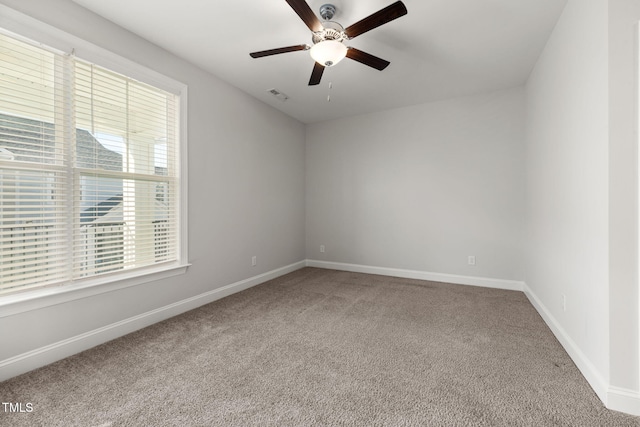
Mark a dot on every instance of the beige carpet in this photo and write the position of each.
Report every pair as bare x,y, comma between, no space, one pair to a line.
321,347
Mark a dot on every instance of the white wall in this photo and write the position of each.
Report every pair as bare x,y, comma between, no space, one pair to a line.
582,193
623,194
422,187
567,191
246,191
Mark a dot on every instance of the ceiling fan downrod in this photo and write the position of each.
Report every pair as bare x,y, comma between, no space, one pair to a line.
327,11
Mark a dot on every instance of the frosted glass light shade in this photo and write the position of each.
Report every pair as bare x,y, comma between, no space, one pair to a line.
328,52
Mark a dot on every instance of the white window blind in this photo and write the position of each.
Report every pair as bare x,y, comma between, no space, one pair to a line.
89,177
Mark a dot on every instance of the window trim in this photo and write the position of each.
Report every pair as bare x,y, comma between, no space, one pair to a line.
28,29
37,298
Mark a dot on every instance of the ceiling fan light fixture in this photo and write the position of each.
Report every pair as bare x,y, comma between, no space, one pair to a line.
328,52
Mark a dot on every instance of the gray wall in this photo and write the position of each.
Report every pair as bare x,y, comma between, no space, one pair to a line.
582,191
246,190
624,337
567,194
422,187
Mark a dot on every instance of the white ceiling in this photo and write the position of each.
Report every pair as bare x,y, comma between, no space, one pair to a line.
440,49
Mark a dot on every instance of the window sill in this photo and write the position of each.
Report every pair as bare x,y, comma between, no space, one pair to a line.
21,302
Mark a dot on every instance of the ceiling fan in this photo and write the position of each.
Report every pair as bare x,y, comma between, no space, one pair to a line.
328,37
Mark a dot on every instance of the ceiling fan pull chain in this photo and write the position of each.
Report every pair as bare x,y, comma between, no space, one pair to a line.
329,92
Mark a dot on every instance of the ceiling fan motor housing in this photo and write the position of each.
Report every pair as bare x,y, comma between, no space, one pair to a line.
331,31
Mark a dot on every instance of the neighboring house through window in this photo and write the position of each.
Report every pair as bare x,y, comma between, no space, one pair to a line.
89,171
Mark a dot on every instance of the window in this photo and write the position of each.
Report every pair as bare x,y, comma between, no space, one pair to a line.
89,171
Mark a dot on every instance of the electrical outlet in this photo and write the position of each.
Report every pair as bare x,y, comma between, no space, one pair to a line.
471,260
322,248
254,260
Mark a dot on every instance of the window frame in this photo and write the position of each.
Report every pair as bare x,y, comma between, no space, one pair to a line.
37,33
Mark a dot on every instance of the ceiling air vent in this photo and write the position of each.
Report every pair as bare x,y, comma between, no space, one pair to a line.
279,95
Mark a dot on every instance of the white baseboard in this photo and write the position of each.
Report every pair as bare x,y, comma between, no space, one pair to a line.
51,353
585,366
623,400
512,285
614,398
